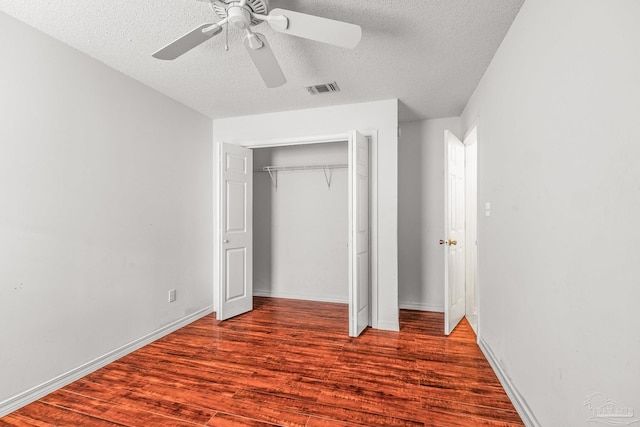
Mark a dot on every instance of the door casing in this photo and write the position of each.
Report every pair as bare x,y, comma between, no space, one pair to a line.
470,142
372,135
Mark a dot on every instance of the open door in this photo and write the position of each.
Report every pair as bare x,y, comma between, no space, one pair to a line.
358,233
235,290
454,219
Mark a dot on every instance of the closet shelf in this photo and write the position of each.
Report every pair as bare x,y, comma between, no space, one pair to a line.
273,171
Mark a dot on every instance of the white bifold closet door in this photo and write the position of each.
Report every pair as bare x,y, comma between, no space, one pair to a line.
358,233
235,289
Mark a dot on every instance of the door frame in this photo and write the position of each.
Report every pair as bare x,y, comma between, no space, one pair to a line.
475,126
314,139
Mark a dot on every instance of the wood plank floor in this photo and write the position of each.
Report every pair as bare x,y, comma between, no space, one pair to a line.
288,363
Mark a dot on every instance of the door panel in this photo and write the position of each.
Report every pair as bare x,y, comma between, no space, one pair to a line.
236,207
236,267
359,312
236,233
454,290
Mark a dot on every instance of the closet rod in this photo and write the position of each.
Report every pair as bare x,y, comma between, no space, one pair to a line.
295,168
273,171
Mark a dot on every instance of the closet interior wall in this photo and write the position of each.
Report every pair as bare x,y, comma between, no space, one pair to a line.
301,226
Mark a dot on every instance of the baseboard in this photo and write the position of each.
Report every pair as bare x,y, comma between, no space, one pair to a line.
421,307
39,391
518,401
287,295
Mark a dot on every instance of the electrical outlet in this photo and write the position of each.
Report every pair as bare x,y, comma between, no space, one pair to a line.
172,295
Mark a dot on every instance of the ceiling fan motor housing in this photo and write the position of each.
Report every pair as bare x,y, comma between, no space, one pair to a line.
233,10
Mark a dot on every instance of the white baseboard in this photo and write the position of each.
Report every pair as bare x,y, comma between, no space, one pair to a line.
18,401
287,295
518,401
421,307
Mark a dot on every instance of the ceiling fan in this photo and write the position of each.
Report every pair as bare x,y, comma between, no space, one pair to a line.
244,14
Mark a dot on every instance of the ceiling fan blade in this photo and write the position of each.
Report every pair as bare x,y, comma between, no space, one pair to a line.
187,42
264,60
323,30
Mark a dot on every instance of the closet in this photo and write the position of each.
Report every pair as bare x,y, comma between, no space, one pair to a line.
294,222
300,222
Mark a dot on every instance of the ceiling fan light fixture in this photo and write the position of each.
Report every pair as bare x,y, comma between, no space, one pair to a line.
239,17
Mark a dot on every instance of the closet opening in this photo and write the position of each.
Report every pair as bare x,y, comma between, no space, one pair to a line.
310,232
301,222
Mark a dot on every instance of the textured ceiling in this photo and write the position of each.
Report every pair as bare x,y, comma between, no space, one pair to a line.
430,54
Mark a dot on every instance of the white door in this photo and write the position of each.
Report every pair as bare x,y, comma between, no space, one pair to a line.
235,288
454,219
358,233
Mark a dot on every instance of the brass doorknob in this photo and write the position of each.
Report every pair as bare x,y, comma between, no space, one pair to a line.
453,242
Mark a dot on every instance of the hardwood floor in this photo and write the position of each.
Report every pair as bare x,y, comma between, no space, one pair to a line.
288,363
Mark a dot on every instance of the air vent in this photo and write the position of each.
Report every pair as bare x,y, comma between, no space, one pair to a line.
325,88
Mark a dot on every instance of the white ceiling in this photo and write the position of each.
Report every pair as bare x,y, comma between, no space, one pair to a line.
430,54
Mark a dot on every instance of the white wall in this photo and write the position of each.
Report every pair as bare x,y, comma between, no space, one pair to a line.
300,229
381,116
558,159
105,204
421,212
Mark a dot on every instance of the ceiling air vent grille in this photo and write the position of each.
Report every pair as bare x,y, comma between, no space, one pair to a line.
324,88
